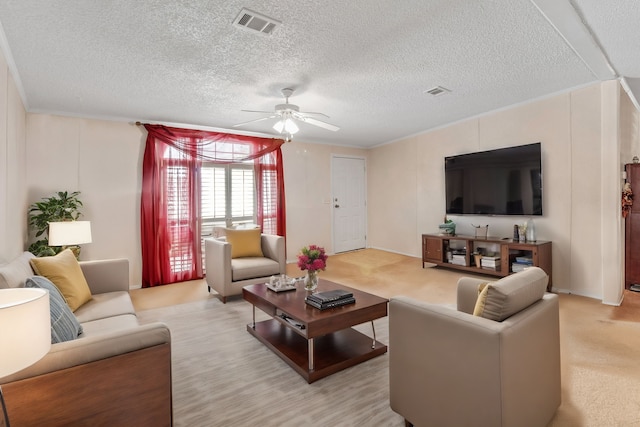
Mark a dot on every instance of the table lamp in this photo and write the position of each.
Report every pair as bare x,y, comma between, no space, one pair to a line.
70,234
25,331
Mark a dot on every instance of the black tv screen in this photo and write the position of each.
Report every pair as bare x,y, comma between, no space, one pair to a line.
506,181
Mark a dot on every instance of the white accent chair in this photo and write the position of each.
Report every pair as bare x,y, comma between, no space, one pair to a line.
227,276
448,367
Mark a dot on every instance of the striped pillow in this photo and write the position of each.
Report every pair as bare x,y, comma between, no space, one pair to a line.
64,325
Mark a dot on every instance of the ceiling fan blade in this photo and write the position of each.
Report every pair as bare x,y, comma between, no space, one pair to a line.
314,112
257,111
253,121
320,123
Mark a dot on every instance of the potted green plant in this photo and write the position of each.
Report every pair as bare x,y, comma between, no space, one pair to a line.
63,206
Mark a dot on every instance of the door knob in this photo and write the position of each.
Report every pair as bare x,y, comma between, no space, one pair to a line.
336,206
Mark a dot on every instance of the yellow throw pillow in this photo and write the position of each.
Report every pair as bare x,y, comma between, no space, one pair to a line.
483,290
65,272
245,243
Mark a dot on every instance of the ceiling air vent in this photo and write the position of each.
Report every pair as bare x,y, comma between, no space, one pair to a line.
437,91
250,20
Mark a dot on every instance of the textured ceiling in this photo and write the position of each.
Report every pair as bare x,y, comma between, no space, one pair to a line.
366,64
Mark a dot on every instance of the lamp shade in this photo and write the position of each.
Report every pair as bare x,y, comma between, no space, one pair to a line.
25,328
69,233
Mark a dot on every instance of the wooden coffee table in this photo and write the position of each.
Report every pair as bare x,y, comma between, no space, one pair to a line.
316,343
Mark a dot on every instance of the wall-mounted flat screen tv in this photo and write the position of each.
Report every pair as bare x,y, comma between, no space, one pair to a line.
506,181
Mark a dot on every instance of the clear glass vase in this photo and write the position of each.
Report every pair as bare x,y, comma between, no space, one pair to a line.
311,280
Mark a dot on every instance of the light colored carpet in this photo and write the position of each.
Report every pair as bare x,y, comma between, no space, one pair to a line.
223,376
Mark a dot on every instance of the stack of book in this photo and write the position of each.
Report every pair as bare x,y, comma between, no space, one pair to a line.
330,299
521,263
490,262
458,257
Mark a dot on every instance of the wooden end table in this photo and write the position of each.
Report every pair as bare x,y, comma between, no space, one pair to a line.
316,343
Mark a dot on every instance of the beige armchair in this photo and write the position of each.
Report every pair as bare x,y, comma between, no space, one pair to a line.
227,275
448,367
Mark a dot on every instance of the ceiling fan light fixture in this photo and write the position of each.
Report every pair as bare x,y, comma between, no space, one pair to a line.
286,126
290,126
279,126
287,115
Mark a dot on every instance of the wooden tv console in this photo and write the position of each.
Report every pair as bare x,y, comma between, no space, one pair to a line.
437,247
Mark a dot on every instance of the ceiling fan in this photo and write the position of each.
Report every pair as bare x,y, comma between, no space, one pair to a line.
288,114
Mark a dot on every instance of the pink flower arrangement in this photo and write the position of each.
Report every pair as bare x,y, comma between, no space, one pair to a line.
312,258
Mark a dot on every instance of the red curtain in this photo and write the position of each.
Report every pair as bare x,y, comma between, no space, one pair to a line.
270,184
170,203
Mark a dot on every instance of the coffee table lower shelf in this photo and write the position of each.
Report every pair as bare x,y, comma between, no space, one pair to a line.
332,352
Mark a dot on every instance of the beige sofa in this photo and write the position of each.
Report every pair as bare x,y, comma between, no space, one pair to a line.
117,372
448,367
228,276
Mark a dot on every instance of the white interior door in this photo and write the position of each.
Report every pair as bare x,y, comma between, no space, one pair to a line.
349,203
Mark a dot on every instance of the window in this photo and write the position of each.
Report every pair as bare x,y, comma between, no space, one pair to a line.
269,177
228,194
172,196
178,185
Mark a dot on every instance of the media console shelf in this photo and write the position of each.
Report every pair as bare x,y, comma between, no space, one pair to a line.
458,252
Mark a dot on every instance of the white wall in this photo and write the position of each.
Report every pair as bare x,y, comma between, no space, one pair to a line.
392,182
103,161
307,179
570,127
13,206
585,238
